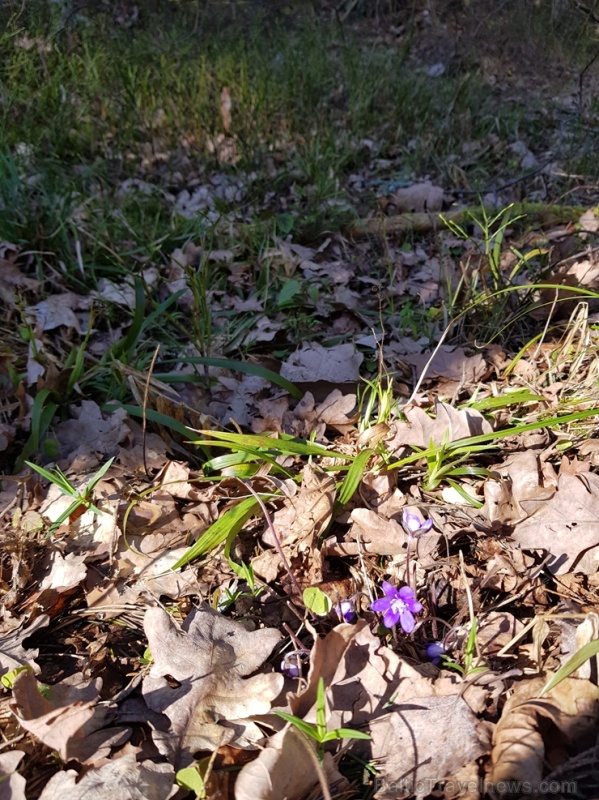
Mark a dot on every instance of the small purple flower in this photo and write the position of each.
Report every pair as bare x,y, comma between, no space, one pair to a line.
434,652
414,523
291,665
346,610
398,605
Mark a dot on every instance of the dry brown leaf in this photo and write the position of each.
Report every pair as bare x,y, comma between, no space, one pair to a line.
12,652
566,526
67,717
496,630
90,430
521,746
120,779
285,769
198,681
299,524
451,363
59,309
337,365
12,785
448,425
423,742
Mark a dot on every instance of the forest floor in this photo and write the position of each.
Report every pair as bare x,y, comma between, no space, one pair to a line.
299,392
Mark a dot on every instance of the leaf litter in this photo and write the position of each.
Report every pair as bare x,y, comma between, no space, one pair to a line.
126,657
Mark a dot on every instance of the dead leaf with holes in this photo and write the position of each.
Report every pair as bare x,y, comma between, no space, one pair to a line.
566,526
67,717
123,778
198,680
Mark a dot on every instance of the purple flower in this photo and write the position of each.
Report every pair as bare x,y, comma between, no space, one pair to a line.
291,665
434,652
414,523
398,605
346,610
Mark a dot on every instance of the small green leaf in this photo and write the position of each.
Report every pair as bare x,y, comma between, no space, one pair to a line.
189,778
345,733
317,601
288,292
8,679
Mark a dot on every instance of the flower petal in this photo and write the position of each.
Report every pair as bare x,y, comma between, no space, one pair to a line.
392,616
427,526
406,593
411,520
406,620
389,589
381,605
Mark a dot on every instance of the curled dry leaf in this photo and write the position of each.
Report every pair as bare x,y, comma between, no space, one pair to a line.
12,785
198,681
522,746
285,769
120,779
66,717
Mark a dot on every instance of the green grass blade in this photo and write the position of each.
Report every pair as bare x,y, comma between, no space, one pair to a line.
300,724
354,476
345,733
505,400
572,664
229,524
99,474
59,480
240,366
128,343
152,416
486,438
283,445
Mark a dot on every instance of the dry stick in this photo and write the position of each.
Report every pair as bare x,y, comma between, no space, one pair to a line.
144,406
420,380
277,541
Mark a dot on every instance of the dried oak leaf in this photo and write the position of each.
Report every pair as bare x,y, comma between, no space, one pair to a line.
449,425
198,681
566,526
521,743
285,769
12,785
120,779
67,717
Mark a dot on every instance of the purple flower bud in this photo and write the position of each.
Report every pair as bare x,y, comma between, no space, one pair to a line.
434,651
291,665
346,610
414,523
398,605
